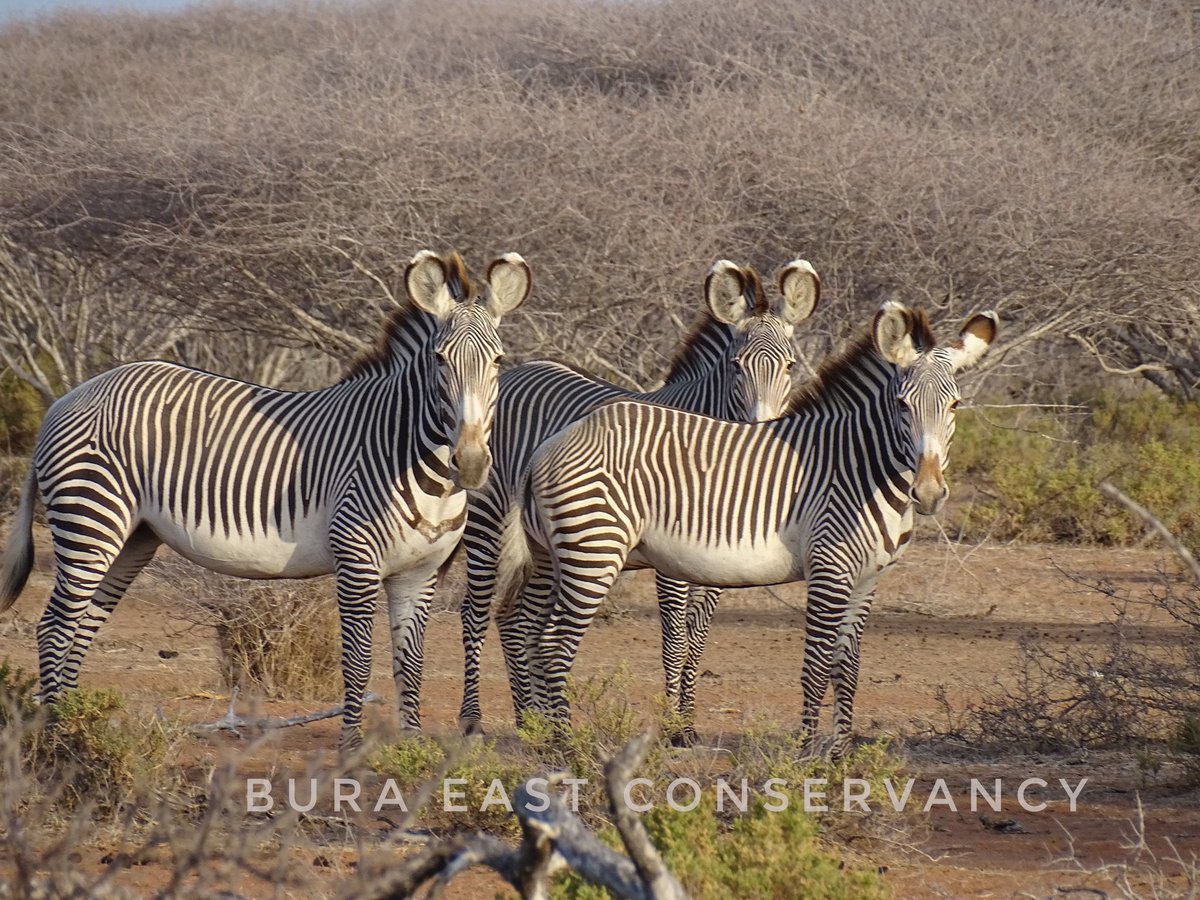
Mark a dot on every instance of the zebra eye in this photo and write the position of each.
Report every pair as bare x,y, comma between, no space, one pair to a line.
955,405
789,365
499,359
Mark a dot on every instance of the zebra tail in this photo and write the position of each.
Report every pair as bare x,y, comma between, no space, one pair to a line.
514,563
17,562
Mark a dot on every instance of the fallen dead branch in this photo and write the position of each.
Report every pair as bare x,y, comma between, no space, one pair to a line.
550,838
1108,489
232,722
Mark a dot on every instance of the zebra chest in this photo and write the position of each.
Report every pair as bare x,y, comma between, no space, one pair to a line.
425,530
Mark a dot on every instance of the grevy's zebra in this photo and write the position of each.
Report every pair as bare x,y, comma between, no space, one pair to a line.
364,479
735,364
825,494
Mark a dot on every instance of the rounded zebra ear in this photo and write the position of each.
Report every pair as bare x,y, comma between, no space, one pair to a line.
975,339
427,281
893,333
509,282
799,289
725,292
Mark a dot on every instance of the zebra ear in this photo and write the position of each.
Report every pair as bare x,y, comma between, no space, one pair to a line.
725,291
509,282
799,289
426,279
975,339
893,333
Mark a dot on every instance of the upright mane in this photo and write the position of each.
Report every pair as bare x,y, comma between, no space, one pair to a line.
706,341
844,365
408,328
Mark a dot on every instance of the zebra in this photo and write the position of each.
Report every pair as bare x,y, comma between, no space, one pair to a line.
736,364
365,479
824,494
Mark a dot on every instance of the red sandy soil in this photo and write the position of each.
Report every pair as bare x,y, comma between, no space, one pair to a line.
946,617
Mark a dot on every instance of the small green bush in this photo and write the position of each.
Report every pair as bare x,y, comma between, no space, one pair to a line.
417,762
96,750
762,853
1032,476
17,691
20,414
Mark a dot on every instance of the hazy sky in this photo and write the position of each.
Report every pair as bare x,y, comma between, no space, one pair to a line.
25,9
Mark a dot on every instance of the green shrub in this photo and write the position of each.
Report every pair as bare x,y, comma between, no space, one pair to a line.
93,748
415,763
20,414
17,692
761,853
1029,475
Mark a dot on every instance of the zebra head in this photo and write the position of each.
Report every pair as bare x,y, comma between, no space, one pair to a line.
467,347
927,393
762,355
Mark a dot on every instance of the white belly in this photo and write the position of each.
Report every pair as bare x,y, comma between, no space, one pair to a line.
301,553
726,565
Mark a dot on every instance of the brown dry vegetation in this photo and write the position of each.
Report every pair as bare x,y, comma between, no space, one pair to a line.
245,168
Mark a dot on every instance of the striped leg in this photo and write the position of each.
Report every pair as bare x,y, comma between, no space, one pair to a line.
408,597
702,605
358,585
672,613
845,672
134,556
85,547
481,539
586,573
521,629
828,599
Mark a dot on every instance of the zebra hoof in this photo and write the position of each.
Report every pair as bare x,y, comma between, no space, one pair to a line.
685,737
350,744
409,733
471,727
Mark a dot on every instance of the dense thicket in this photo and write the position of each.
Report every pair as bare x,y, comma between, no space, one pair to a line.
268,170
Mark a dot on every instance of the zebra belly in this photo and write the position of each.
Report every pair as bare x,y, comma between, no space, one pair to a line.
299,554
767,561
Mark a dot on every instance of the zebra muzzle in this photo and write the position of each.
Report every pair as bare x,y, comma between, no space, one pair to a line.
472,463
929,490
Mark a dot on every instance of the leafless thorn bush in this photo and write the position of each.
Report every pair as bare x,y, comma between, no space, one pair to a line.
277,639
281,161
1146,874
1125,692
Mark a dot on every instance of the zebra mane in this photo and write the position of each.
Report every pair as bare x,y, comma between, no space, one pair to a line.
847,364
408,328
707,339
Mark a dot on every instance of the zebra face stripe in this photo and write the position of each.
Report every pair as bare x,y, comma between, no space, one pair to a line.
468,351
929,396
761,362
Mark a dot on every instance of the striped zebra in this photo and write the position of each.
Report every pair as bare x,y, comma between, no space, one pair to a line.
364,479
825,494
735,364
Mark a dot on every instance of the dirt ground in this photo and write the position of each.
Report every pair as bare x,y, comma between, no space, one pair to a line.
947,617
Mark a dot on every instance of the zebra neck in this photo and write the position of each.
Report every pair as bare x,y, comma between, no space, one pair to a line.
702,354
853,402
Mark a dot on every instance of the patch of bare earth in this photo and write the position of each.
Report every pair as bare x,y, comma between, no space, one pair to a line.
946,618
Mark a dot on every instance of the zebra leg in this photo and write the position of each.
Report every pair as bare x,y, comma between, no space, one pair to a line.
358,584
702,605
408,613
519,631
134,556
828,600
79,573
481,540
672,614
845,673
584,579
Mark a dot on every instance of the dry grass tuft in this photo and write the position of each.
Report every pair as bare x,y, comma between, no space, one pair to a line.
280,641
